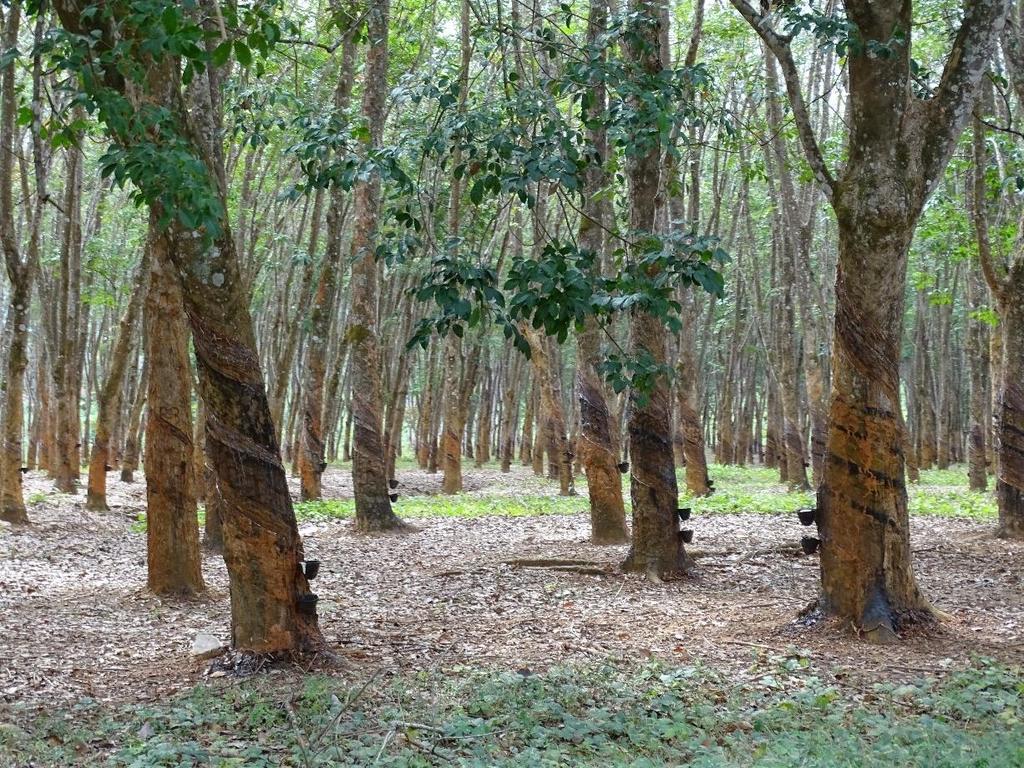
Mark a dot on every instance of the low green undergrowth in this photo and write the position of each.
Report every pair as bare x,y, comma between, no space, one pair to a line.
756,490
777,714
938,501
452,506
940,493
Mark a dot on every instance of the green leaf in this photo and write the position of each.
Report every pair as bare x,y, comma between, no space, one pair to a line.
170,19
221,54
243,54
476,194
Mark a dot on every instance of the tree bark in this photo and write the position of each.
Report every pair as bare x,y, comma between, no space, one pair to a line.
510,411
977,355
898,148
694,450
110,396
369,475
595,446
450,447
1008,291
21,272
657,547
559,455
172,527
262,547
65,370
313,461
130,457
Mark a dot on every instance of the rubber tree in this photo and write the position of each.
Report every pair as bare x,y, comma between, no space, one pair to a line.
110,394
657,547
595,445
1006,282
690,425
454,358
313,462
898,146
369,470
21,271
173,560
262,547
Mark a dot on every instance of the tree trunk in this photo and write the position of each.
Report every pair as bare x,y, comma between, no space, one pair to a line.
526,439
424,428
595,446
862,502
1008,291
21,272
12,501
484,421
1010,480
559,456
454,417
313,461
694,451
213,529
657,547
110,397
369,475
510,411
262,547
977,355
66,376
130,457
786,339
172,527
898,148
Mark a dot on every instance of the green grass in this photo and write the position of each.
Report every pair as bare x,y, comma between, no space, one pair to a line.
745,489
945,493
452,506
777,714
941,493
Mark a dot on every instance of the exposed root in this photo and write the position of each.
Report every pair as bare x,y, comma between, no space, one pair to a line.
236,663
877,627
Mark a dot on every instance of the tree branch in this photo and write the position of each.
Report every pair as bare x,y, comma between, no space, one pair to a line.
1013,50
780,47
980,216
949,111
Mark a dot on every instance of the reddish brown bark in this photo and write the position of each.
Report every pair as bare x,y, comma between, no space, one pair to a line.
559,455
657,547
262,547
172,528
21,272
898,148
110,396
130,457
313,460
1008,290
369,475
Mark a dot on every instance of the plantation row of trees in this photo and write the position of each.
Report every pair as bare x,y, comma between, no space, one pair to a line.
588,238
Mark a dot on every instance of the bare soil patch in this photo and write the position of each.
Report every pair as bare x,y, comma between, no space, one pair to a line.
76,619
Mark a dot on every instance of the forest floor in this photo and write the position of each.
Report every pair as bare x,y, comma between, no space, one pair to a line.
463,594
